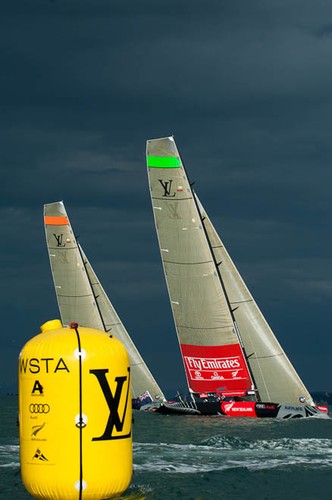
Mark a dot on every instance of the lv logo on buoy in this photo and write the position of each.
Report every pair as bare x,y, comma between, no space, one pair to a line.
113,402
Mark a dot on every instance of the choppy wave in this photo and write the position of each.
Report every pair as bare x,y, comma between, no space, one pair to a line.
202,457
229,443
221,453
9,456
11,465
217,453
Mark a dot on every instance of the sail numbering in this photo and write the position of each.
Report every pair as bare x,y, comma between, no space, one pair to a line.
233,362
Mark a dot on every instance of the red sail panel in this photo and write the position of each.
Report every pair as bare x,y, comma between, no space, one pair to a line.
216,368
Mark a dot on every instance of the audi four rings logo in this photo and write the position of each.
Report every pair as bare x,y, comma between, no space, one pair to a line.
39,408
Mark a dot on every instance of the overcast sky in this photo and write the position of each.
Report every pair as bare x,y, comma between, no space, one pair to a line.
245,86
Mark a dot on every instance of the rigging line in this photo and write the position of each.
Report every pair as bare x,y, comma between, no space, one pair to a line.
63,249
80,422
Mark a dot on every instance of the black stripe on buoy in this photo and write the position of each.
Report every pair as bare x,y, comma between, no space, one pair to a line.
80,425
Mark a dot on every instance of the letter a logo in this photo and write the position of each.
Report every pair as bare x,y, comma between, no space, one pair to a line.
113,401
37,387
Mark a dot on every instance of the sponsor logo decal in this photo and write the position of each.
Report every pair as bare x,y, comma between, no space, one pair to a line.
37,387
228,406
294,408
39,408
59,240
239,408
167,186
42,365
216,368
213,364
210,368
264,406
39,456
324,409
173,210
114,428
36,429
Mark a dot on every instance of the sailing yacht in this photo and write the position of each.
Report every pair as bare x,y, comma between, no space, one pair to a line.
82,299
233,362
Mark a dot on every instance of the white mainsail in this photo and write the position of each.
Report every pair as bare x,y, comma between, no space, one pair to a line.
81,297
211,304
209,343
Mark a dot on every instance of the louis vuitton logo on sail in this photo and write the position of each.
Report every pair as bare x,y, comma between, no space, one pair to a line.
59,240
167,186
173,210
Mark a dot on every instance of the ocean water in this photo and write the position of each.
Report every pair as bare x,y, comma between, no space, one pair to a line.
200,458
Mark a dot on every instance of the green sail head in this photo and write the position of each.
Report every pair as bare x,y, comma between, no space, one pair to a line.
163,162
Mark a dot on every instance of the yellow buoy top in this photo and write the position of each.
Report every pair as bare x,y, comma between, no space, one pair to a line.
53,324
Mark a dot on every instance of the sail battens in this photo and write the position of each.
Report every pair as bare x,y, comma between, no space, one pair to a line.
178,200
241,301
267,357
75,296
186,263
62,248
204,328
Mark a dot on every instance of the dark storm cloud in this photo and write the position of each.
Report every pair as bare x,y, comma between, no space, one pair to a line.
245,87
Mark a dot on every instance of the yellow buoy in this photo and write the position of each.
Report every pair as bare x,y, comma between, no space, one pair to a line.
75,414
